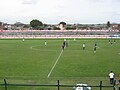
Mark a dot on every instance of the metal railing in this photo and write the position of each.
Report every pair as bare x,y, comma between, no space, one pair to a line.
58,85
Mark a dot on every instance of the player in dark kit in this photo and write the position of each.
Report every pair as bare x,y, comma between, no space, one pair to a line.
63,47
64,43
95,45
94,49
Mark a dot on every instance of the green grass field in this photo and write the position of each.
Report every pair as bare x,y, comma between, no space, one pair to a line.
31,62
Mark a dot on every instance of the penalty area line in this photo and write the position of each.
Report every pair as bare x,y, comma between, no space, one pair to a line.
55,64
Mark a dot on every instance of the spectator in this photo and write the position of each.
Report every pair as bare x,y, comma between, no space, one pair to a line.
119,79
111,76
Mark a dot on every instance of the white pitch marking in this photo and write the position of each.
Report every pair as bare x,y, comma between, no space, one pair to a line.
33,48
55,64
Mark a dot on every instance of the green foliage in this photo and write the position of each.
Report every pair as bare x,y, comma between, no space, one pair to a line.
36,24
0,23
63,23
108,24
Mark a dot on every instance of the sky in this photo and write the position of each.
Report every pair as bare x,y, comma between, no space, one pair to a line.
55,11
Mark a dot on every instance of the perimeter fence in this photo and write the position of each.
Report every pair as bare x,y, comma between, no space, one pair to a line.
57,86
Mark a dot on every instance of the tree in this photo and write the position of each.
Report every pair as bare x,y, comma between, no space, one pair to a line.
36,24
0,23
63,23
108,24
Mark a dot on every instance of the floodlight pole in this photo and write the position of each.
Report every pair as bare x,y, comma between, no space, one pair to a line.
5,84
58,85
100,85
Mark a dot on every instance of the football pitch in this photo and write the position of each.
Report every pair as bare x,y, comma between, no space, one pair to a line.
32,61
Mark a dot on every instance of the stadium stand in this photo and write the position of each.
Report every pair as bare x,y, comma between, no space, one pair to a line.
59,33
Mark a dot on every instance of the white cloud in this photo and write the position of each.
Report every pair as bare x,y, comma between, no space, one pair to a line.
29,1
53,11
